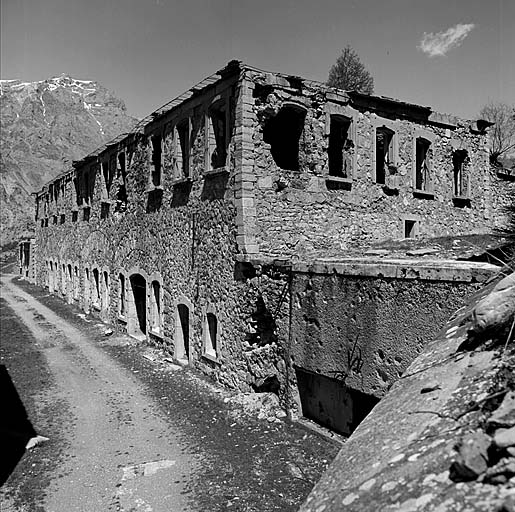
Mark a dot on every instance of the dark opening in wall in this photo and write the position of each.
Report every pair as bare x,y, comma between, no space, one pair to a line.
211,335
139,305
156,160
121,193
154,200
106,294
329,402
156,306
422,165
217,135
75,215
263,328
182,343
340,147
121,278
182,148
104,210
283,133
54,219
384,153
96,280
108,170
76,283
410,228
86,213
459,159
62,219
268,385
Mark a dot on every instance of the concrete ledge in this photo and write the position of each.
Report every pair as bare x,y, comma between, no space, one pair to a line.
400,268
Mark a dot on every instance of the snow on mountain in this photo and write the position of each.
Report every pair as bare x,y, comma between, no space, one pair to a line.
45,125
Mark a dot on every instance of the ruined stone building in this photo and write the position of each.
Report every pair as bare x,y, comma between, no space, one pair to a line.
233,227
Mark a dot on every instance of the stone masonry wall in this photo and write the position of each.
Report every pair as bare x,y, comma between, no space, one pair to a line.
182,233
307,213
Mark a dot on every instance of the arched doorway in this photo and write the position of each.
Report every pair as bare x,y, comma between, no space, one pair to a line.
137,314
182,333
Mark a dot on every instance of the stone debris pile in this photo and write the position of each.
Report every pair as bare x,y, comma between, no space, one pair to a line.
489,457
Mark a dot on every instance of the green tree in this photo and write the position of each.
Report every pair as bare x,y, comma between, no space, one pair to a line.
502,133
350,74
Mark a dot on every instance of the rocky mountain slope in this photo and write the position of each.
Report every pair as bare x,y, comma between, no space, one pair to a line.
46,125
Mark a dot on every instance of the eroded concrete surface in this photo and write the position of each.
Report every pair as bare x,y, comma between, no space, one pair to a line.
399,458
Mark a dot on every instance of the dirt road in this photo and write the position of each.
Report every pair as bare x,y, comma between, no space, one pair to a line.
121,452
129,432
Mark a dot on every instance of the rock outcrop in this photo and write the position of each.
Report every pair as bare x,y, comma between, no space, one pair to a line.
46,125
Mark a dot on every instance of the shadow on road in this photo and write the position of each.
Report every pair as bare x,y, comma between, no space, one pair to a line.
15,426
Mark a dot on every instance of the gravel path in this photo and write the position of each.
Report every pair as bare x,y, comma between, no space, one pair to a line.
129,431
120,447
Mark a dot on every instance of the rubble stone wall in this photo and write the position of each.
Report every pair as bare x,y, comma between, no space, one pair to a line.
308,213
181,235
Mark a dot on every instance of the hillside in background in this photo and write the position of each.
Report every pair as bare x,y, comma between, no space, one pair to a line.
46,125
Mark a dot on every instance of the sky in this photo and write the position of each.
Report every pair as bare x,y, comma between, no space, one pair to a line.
451,55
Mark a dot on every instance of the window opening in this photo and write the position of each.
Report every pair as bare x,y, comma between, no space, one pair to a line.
70,280
341,147
63,279
122,294
86,212
87,288
76,283
459,160
211,333
138,306
283,133
182,148
104,210
96,278
75,215
410,228
182,333
121,194
217,136
105,302
62,219
422,169
156,306
384,154
156,160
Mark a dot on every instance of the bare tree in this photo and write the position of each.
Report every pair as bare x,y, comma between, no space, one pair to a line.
350,74
502,134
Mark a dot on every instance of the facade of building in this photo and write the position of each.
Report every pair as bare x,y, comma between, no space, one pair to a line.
189,231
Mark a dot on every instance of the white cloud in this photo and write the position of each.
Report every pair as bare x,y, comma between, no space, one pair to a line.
436,45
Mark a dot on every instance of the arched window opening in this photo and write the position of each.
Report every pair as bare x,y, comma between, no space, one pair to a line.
137,312
182,333
122,304
211,335
156,306
106,290
76,283
96,282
